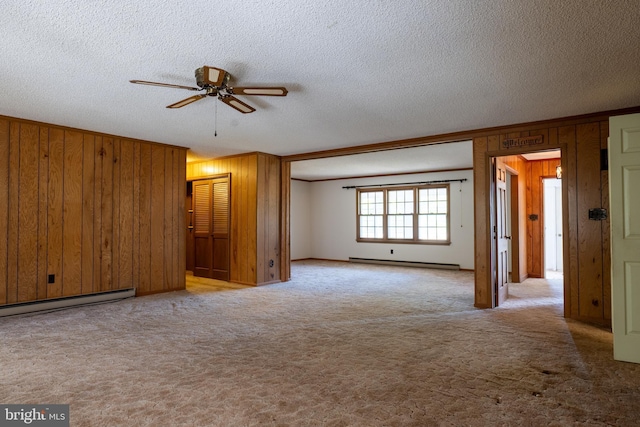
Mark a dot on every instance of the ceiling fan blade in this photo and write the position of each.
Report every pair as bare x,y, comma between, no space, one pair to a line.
143,82
263,91
237,104
187,101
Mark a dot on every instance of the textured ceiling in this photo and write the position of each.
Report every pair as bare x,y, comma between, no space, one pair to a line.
358,71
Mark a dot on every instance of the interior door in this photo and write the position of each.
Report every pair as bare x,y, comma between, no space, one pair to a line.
211,228
500,233
220,229
202,233
624,181
559,231
552,201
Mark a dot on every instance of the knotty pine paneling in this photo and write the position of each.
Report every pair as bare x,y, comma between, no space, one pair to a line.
144,203
14,200
28,213
98,155
126,215
255,218
43,168
181,237
105,239
88,213
157,221
590,292
72,214
115,217
285,220
4,207
90,209
55,212
268,219
482,252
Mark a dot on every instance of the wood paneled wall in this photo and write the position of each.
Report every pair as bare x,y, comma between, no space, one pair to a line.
96,211
255,214
268,231
587,254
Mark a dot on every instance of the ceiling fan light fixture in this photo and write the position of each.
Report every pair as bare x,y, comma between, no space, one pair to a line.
214,81
211,76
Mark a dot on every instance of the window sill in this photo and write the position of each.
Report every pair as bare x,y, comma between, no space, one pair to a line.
407,242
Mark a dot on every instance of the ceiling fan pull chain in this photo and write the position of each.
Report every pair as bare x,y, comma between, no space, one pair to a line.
215,126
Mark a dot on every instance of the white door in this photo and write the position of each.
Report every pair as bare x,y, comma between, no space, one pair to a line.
558,213
501,236
624,185
552,189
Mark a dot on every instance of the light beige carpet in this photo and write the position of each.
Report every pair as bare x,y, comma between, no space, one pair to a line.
339,345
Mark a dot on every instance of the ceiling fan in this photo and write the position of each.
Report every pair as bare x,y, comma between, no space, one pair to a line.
215,82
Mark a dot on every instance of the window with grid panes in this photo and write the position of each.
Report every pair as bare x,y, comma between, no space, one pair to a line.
410,214
433,214
370,214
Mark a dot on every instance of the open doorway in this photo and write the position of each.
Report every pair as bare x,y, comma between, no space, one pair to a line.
553,251
518,201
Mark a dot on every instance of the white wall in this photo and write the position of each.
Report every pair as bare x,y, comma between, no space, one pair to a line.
300,221
331,227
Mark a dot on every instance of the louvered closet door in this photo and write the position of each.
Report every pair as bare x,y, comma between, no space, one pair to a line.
202,232
220,226
211,228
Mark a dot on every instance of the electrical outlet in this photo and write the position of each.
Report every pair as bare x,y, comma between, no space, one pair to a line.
51,279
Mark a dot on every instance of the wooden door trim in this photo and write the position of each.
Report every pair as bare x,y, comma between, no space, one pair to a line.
566,220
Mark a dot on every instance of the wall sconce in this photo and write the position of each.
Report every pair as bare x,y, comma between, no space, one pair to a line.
559,172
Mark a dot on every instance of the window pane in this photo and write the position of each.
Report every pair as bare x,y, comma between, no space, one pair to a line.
371,227
371,203
400,202
400,227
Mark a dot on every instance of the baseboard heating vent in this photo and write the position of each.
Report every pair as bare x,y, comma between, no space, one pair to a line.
406,263
59,303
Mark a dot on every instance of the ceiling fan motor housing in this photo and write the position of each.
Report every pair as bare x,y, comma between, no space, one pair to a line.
211,76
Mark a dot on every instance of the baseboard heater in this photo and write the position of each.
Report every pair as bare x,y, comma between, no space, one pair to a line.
406,263
58,303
